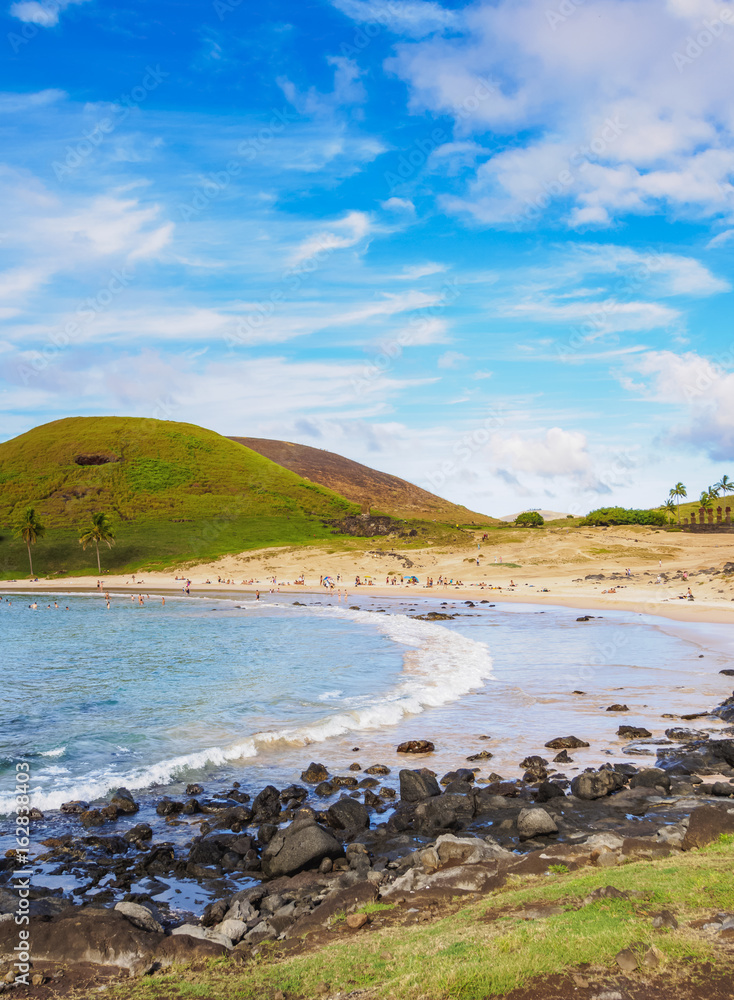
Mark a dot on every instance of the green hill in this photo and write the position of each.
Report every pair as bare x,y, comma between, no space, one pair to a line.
174,491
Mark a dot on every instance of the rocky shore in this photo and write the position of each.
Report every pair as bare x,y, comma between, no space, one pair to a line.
285,864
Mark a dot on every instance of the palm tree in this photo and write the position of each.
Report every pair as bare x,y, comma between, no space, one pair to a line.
706,500
678,491
713,491
669,505
100,530
30,528
725,485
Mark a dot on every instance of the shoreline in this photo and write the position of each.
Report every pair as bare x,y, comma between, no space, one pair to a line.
160,585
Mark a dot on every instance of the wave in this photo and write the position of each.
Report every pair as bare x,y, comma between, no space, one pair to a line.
439,667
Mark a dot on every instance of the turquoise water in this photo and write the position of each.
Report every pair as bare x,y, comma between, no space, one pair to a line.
206,690
142,695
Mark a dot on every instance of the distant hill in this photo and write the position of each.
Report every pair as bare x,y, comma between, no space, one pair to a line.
361,484
174,491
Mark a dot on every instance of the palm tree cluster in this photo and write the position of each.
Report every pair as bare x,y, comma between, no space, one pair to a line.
707,499
30,528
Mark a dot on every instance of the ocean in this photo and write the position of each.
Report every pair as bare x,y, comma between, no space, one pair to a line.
218,689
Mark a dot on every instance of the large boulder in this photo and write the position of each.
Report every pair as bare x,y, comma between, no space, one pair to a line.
417,785
416,746
92,935
704,757
304,844
314,773
706,824
596,784
548,790
182,949
444,812
348,814
725,710
266,807
139,916
566,743
535,822
124,801
650,777
468,850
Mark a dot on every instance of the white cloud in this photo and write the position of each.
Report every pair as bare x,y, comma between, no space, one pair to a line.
81,237
15,103
398,205
599,318
414,18
555,453
608,119
665,274
353,228
348,90
704,389
451,359
45,15
420,271
720,239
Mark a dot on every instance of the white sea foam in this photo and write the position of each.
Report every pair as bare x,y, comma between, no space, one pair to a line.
53,753
440,667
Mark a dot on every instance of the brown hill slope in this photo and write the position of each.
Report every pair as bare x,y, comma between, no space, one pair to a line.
363,485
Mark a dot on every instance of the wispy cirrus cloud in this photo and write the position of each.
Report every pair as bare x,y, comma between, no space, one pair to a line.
414,18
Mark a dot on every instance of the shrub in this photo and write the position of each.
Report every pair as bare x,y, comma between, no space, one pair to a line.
530,519
621,515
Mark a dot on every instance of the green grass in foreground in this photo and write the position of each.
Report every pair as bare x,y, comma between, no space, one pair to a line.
485,948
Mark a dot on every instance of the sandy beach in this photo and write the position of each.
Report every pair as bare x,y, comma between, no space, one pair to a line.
554,567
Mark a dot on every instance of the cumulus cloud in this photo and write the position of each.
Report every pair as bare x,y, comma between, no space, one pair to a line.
557,452
702,388
616,111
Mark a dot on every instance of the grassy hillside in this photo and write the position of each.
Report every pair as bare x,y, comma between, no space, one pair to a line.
174,491
364,486
690,508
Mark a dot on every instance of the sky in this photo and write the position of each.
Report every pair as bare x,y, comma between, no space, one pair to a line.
486,247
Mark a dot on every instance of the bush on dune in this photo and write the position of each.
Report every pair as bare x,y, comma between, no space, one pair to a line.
606,516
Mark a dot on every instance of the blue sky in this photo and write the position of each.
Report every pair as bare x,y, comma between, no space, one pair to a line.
486,246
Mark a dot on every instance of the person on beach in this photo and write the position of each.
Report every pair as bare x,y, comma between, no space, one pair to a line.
163,601
257,595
